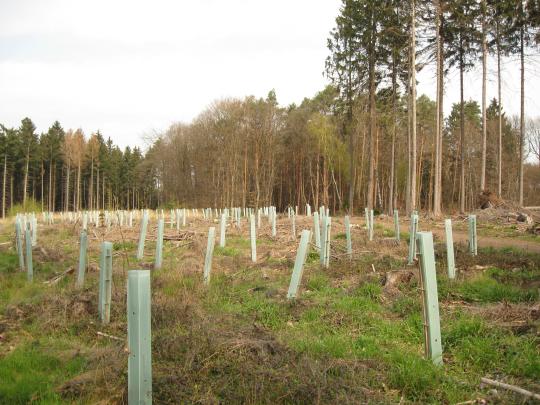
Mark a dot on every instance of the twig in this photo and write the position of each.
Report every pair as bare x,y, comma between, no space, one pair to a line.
59,277
109,336
510,387
126,256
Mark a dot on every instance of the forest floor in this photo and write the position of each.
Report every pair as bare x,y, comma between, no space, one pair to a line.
350,337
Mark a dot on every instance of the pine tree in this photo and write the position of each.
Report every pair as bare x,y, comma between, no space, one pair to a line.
28,142
461,36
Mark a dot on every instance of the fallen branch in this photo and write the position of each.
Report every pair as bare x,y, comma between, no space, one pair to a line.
59,277
510,387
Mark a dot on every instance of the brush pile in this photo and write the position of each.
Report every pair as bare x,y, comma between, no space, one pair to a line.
496,210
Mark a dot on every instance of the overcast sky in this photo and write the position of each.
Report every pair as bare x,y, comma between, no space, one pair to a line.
129,67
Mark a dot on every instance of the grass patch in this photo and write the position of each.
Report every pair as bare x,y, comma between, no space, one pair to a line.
9,262
30,374
226,251
512,276
485,289
312,257
238,242
127,245
475,345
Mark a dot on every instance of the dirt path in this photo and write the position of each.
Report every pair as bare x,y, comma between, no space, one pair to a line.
483,241
490,241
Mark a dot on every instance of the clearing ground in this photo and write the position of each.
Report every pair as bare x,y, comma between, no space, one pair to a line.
350,337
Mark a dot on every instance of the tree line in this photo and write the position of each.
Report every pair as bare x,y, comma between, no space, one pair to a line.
65,170
251,152
367,139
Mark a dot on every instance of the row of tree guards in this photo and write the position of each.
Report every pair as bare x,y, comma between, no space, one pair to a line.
138,286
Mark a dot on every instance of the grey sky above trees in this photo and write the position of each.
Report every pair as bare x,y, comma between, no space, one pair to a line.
129,68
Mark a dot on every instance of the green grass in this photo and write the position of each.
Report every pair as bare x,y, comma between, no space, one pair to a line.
484,348
9,262
226,251
312,257
345,333
127,245
517,276
317,282
485,289
238,242
31,372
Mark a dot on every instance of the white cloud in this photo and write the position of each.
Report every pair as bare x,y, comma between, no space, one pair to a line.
127,67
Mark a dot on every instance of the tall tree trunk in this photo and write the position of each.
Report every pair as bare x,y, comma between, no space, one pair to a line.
4,187
484,78
462,134
26,168
97,188
352,158
11,191
91,188
372,109
413,107
393,147
78,202
522,112
67,187
437,198
54,189
499,162
408,208
42,181
49,196
317,179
